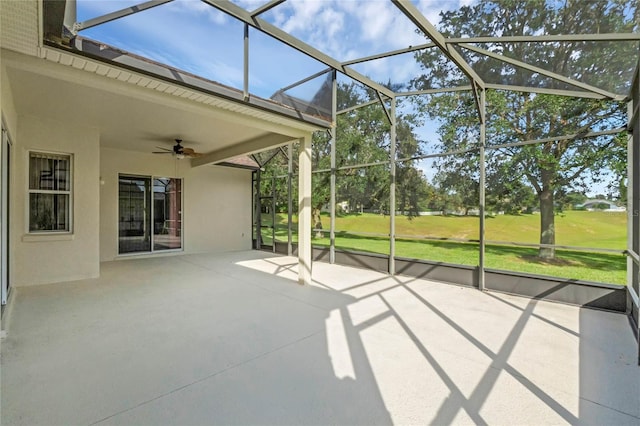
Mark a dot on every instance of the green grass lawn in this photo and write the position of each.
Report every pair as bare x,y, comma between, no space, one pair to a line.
573,228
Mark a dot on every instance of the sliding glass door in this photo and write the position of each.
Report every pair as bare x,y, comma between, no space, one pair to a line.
135,214
150,214
167,213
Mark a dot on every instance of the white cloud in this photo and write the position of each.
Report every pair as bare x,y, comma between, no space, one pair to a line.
431,8
197,8
302,16
196,37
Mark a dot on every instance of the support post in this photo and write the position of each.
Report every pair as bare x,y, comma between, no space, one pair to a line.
392,189
481,189
332,223
304,211
630,202
245,90
290,200
258,211
273,214
70,16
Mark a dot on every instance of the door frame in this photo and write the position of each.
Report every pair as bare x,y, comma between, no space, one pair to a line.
5,188
151,215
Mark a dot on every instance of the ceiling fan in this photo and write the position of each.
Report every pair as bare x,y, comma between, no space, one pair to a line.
178,150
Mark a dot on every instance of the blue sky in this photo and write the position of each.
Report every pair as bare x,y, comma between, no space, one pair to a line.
195,37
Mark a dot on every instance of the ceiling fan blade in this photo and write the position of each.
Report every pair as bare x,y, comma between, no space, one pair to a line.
161,152
189,152
164,149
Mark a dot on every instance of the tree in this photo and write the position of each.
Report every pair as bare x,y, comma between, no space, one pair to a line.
363,137
515,117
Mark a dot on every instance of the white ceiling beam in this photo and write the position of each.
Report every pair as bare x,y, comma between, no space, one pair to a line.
250,146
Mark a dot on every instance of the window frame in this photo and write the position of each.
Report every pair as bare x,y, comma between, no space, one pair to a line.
68,192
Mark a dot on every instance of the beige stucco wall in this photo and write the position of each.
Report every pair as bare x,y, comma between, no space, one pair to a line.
7,107
10,124
54,258
217,201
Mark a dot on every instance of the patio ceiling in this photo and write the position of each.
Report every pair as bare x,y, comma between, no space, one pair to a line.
136,118
136,110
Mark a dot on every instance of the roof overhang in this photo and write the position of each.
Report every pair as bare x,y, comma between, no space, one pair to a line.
136,111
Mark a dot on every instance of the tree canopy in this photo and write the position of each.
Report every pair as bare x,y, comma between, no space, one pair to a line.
551,167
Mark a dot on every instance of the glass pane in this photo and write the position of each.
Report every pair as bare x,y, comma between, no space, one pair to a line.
134,205
48,212
167,214
49,172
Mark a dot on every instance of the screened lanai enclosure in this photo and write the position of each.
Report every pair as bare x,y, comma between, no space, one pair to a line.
492,144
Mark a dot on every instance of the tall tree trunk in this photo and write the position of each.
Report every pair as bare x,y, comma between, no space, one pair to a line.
547,224
317,221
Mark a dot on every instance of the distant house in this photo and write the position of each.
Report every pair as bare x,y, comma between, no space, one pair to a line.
598,204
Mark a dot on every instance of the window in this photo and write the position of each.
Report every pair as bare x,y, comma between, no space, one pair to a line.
49,192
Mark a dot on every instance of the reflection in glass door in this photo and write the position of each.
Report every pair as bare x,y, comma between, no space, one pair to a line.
150,216
134,228
167,214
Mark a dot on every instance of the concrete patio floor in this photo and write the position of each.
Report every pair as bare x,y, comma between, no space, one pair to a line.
232,339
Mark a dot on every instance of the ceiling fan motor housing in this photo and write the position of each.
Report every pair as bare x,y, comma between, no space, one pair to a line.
177,148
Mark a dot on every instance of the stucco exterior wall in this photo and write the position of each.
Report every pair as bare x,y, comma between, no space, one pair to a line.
7,106
216,201
43,259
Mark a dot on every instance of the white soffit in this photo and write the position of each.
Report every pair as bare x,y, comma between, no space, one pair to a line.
159,85
19,28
